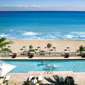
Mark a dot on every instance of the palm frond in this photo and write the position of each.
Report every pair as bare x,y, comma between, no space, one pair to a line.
3,44
2,39
6,50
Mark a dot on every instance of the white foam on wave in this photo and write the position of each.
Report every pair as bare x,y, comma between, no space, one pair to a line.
11,30
78,33
45,35
69,36
82,36
3,35
76,36
30,33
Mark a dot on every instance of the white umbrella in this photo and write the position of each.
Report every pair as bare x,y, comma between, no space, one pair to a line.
5,68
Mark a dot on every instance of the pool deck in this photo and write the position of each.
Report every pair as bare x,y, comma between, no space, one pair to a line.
19,78
39,57
48,79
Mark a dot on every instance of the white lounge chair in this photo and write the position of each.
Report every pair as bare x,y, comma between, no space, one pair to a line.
7,77
30,77
40,78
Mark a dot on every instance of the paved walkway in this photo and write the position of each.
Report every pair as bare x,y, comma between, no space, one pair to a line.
43,57
48,79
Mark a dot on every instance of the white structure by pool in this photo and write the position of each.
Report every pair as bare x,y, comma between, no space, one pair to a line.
5,68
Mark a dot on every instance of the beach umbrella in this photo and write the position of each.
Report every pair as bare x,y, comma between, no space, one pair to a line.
24,46
54,47
38,47
68,47
5,68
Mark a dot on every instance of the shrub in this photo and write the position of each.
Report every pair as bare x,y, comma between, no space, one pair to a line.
31,50
23,54
42,54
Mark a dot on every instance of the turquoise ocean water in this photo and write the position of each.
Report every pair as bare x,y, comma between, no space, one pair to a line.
44,25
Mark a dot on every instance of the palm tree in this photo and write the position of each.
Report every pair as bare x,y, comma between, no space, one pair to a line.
81,48
54,81
30,46
31,49
3,43
49,46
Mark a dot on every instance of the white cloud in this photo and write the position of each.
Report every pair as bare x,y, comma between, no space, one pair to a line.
37,7
19,6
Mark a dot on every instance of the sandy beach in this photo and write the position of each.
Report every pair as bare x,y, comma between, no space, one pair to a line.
60,45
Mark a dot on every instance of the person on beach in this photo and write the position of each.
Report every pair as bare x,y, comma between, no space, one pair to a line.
48,66
42,62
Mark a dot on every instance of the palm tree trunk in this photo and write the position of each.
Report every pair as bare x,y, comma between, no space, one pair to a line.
5,53
8,53
2,53
49,51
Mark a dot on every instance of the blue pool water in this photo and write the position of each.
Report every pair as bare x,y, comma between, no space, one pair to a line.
24,66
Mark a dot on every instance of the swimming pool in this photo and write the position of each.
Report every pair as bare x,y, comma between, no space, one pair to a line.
24,66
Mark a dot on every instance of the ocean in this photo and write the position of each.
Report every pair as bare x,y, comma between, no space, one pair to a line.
43,25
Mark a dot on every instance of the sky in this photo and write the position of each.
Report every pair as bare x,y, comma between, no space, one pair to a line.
47,5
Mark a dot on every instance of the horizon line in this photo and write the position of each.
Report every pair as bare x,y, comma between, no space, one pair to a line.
44,10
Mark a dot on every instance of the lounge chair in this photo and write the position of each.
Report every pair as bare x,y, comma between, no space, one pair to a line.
7,77
30,78
34,81
40,78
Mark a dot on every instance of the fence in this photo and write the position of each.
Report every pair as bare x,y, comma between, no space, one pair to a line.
42,54
56,54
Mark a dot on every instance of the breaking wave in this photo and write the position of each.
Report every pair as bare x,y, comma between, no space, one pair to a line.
30,33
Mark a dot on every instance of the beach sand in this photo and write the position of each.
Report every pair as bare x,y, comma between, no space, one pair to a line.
60,45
